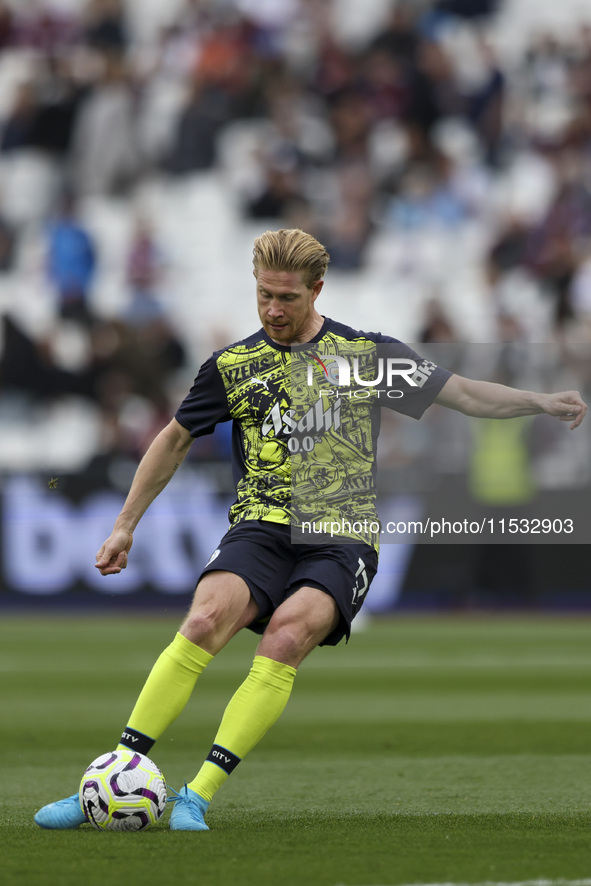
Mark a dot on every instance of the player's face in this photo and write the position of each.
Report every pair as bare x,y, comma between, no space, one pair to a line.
286,306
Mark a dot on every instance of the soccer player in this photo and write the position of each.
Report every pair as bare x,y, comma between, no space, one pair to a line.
292,461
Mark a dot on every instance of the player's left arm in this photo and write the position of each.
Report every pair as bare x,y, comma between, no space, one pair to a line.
483,399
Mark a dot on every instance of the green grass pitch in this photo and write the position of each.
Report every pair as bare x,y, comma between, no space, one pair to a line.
430,750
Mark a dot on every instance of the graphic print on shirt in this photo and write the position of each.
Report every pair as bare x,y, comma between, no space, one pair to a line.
256,381
333,459
304,446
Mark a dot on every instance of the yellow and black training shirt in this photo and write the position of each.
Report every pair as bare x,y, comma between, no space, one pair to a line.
306,420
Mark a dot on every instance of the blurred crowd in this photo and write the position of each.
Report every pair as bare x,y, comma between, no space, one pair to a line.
421,148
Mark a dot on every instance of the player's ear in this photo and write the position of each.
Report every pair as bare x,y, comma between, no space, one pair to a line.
316,289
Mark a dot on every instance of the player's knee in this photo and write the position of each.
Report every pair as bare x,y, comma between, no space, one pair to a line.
201,625
288,641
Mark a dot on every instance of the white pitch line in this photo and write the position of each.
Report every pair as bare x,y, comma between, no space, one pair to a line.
501,883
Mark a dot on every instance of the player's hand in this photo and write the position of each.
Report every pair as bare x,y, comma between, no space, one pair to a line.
566,406
112,557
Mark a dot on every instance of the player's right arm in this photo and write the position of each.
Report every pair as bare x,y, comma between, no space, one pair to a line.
165,454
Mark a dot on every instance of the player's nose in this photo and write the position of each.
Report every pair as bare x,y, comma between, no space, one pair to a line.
275,309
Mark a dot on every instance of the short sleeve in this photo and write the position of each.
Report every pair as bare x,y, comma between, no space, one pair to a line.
206,404
419,386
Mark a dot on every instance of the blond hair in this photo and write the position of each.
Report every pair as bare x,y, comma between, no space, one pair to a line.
290,249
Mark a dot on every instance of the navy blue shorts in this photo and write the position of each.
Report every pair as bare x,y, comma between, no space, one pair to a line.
262,554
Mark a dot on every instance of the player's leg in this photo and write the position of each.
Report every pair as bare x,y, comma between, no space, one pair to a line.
221,606
298,625
328,586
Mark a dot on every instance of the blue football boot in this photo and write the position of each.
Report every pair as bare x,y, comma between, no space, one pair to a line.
188,811
61,815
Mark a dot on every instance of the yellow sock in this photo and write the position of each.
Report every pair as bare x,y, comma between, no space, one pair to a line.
165,693
251,712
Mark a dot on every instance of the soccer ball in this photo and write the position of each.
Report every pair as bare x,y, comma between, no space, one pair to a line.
122,791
